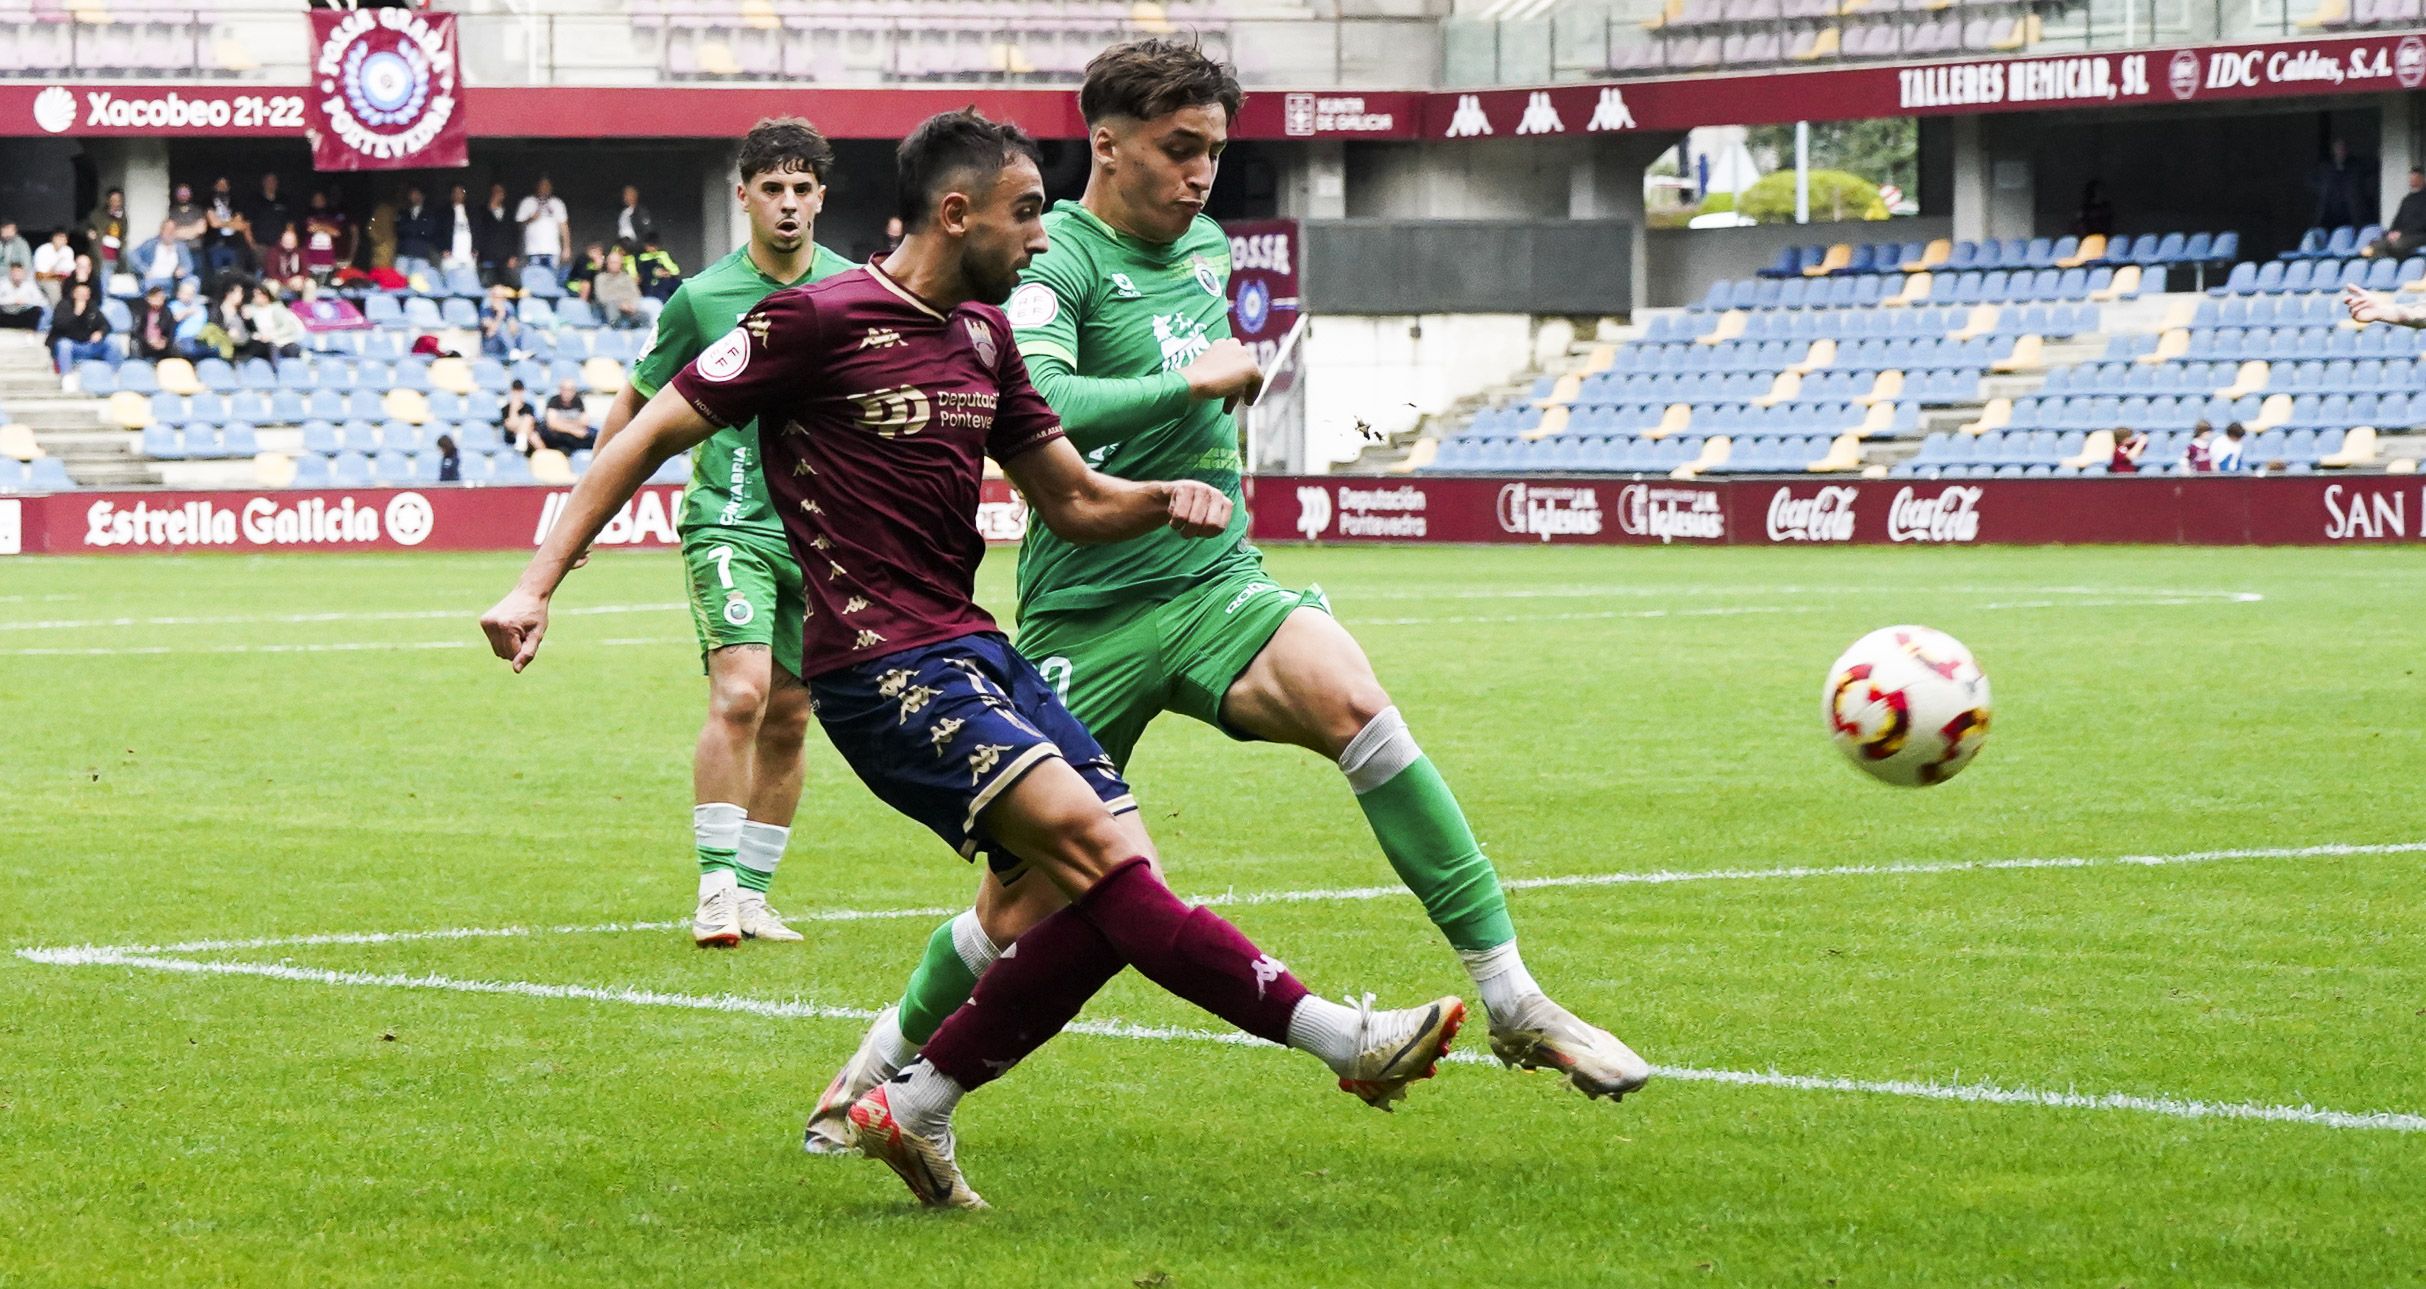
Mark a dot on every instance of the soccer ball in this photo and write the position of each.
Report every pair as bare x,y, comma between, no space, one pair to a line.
1908,705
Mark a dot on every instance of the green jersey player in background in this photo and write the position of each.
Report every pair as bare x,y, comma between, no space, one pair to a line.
745,592
1124,323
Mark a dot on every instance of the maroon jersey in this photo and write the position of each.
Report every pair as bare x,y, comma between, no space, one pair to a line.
875,412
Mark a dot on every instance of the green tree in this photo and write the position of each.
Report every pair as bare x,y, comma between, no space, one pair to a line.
1882,150
1835,195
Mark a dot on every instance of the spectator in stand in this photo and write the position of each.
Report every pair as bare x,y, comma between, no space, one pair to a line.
498,237
450,460
2228,456
108,230
78,330
518,421
459,231
234,319
375,248
53,261
592,259
155,333
193,318
658,273
2407,231
284,263
13,250
328,238
417,236
633,223
83,270
567,428
274,325
164,259
2198,455
223,244
617,293
2097,213
21,302
500,328
190,219
2129,444
267,215
547,228
892,233
2343,185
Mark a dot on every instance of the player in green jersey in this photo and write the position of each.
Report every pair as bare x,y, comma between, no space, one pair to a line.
1124,323
745,593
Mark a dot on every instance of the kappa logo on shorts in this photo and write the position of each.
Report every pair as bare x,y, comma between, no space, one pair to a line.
893,682
983,761
866,640
941,732
916,700
737,609
856,604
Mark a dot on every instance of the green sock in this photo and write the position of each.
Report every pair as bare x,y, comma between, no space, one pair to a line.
1416,819
716,831
956,955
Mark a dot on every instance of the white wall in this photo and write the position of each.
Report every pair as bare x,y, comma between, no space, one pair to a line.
1482,179
1389,370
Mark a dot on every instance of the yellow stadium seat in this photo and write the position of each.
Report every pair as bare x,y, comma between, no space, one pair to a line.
127,410
2328,14
1715,451
273,469
1787,386
1562,391
1825,46
1880,420
2180,315
759,14
2276,410
1838,256
1995,415
1676,420
716,59
234,55
2126,282
1981,322
2097,449
1890,385
1669,12
1875,470
550,466
602,376
1916,290
1425,451
2401,465
2169,346
17,443
1554,421
2358,449
1601,359
1821,354
1731,325
1844,454
407,405
2251,379
176,375
2093,247
2029,354
1936,253
1148,16
452,375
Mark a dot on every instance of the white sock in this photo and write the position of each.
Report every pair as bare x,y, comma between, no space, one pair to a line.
885,1036
977,951
1499,973
1378,752
761,846
922,1098
1327,1029
721,879
717,825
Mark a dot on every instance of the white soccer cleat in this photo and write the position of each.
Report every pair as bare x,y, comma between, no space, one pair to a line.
924,1162
716,923
829,1130
1541,1035
1397,1048
760,922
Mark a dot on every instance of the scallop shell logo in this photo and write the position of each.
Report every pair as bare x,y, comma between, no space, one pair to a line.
54,109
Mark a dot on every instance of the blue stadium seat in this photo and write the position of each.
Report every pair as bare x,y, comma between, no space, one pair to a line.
539,282
326,405
390,466
96,378
1789,263
364,404
239,439
161,443
360,437
286,407
460,313
138,378
350,470
536,311
477,437
463,282
381,310
677,469
421,313
574,311
382,346
312,471
169,409
424,467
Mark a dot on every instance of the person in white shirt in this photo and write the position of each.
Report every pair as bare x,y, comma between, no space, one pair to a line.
2224,457
547,229
461,249
21,301
633,224
53,261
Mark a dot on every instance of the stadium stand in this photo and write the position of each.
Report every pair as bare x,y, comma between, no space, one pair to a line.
1839,360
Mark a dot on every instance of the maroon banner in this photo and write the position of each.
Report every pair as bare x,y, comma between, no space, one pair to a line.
360,519
1263,282
385,93
2307,509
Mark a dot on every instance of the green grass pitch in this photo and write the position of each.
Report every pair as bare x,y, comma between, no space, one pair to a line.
2199,1069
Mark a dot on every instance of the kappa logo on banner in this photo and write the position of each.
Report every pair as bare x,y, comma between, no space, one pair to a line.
1541,116
1611,112
1469,120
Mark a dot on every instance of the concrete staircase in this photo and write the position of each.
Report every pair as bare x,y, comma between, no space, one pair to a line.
68,425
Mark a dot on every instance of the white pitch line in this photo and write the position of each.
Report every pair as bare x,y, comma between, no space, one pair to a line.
337,646
383,615
1340,894
792,1009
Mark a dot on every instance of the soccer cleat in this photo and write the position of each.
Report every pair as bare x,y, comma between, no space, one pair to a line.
761,922
829,1131
716,924
1541,1035
1398,1047
925,1163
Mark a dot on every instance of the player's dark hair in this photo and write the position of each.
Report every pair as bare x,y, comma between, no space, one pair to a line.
954,152
781,143
1155,77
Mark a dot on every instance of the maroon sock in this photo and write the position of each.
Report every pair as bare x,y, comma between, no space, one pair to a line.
1192,952
1034,989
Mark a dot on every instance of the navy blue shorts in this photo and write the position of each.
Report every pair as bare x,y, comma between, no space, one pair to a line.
939,731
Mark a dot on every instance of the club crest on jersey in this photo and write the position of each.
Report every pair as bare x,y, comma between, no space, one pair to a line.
1124,289
981,337
737,610
1205,277
1032,305
724,359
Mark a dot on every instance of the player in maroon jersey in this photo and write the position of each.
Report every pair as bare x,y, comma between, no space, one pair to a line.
877,394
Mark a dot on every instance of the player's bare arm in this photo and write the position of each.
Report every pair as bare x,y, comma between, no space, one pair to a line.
666,426
1227,371
1089,508
2377,306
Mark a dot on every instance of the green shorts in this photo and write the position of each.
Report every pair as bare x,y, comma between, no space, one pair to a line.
744,589
1118,668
